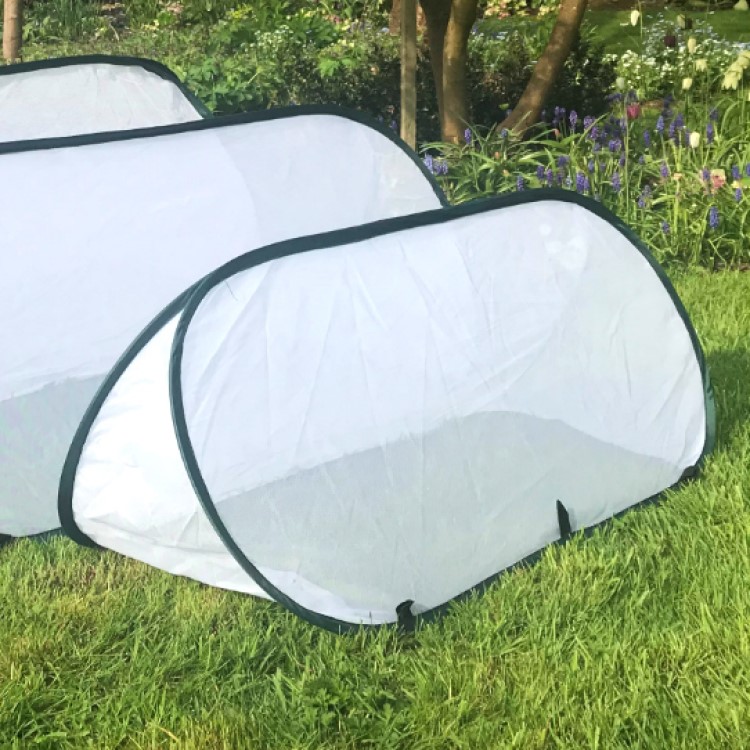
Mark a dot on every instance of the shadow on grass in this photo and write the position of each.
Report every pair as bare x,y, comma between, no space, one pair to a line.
730,375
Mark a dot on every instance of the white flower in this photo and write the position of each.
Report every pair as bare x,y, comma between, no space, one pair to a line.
692,43
620,83
687,84
695,139
701,65
731,80
634,16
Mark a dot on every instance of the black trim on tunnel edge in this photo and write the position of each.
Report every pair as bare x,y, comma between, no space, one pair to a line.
225,121
152,66
365,232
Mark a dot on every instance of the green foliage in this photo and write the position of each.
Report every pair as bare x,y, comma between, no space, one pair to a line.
501,9
69,20
209,11
633,638
691,204
310,59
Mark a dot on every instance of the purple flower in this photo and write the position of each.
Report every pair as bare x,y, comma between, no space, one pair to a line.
616,185
713,217
563,161
660,125
588,121
504,133
622,159
671,130
467,136
550,177
591,166
586,184
429,163
580,182
594,133
713,114
394,125
665,227
736,172
647,138
641,201
710,133
705,174
520,183
540,173
747,169
641,159
615,145
568,182
664,170
573,119
738,194
597,147
679,121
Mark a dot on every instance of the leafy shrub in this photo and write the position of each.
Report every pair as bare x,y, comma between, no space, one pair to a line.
310,59
62,20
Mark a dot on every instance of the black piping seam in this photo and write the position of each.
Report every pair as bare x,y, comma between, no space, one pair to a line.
152,66
226,121
361,233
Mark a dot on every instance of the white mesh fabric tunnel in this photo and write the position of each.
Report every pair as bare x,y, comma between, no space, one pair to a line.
90,94
377,420
101,231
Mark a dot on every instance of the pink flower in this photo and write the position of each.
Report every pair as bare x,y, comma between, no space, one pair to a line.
634,111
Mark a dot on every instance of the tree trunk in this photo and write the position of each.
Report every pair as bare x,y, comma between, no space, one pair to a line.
456,115
409,72
394,21
12,28
437,13
548,67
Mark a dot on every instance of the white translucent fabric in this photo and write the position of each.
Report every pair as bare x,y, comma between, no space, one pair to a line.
88,97
396,418
98,238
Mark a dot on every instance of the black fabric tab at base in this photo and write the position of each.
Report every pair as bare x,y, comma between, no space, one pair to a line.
563,519
406,619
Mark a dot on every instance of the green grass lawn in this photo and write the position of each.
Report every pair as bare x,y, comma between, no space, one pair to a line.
638,637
